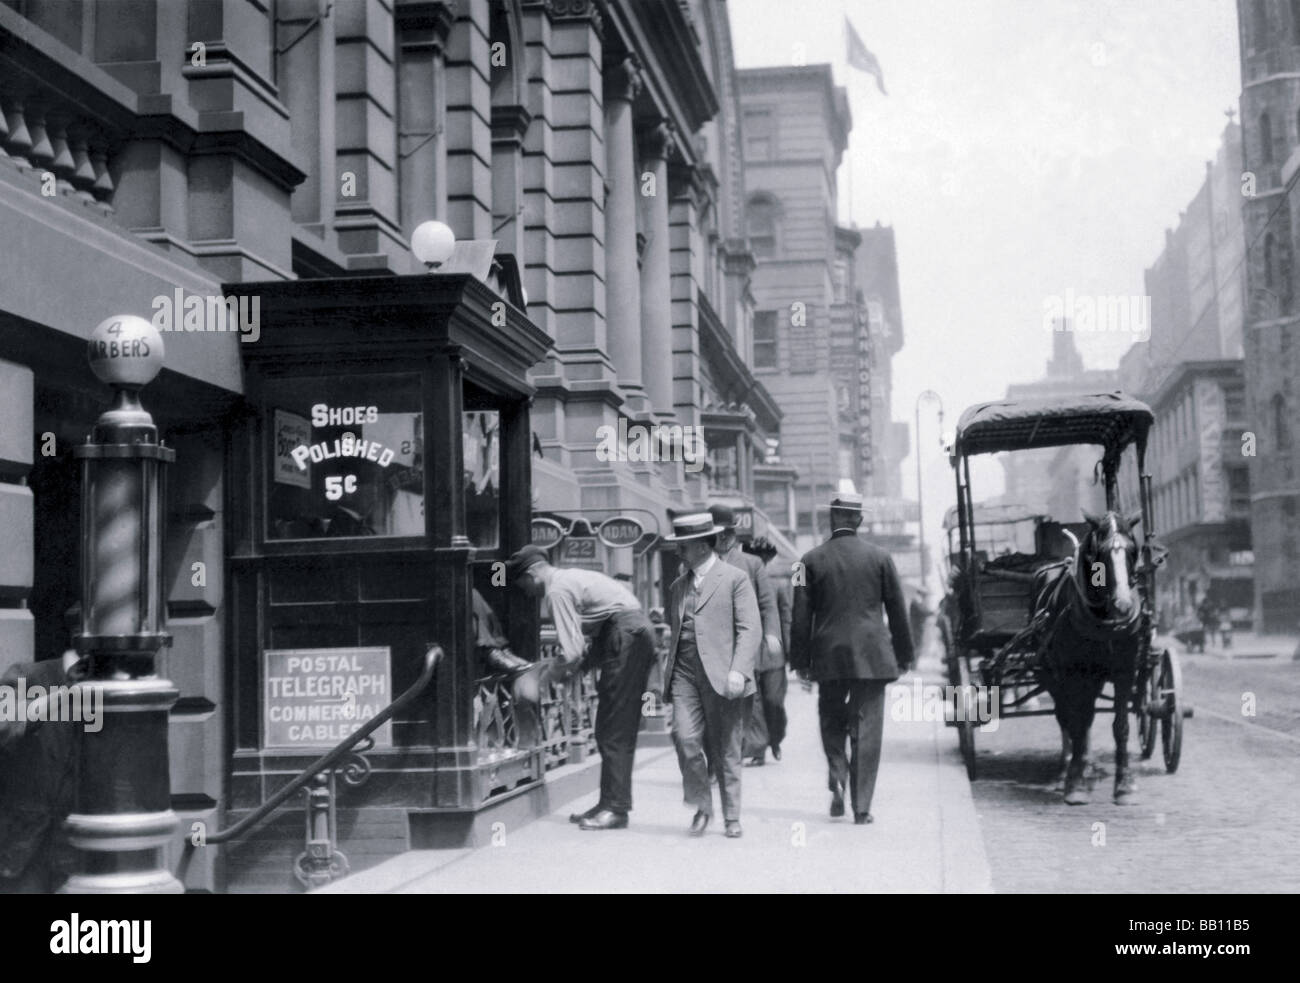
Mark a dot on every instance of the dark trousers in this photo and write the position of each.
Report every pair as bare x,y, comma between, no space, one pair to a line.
708,732
853,709
765,726
624,651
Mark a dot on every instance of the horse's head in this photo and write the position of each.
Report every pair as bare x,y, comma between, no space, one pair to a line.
1107,557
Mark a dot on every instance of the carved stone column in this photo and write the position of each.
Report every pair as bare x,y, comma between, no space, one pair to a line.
622,82
656,145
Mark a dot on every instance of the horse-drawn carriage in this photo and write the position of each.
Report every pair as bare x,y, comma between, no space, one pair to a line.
1038,606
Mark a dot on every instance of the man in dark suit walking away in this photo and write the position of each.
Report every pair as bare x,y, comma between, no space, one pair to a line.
838,637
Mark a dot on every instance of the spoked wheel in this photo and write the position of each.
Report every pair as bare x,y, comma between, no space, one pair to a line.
1171,715
966,698
1147,708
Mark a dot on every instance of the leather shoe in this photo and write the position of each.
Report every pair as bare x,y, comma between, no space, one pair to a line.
605,819
700,823
862,818
733,829
757,761
776,752
577,817
837,803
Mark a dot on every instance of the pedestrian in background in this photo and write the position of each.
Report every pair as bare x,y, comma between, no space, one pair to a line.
586,604
760,730
710,671
838,637
767,722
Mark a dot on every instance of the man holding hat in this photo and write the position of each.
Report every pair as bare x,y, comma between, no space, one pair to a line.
710,669
587,605
765,723
837,636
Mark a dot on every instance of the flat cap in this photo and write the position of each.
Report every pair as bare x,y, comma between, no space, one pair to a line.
524,558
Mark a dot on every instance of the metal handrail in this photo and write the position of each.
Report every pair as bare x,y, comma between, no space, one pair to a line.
255,818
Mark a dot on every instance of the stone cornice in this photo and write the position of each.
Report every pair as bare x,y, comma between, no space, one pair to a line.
426,15
570,10
510,123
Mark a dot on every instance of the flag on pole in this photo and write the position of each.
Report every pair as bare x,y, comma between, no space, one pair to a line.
862,59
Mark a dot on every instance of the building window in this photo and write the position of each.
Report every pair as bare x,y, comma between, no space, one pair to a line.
1259,20
766,355
1295,21
759,132
841,278
724,471
1239,489
1234,404
1265,139
761,225
1281,428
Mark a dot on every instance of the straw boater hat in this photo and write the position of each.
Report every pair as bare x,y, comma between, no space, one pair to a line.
694,526
847,501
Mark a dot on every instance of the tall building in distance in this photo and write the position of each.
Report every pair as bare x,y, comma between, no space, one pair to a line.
1191,371
827,313
1057,480
1269,35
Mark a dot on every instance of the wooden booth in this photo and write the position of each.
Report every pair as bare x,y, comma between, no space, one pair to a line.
381,471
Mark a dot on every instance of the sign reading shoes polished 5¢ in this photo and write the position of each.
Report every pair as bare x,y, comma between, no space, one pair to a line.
317,697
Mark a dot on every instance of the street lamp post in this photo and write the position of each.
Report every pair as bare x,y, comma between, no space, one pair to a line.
122,818
932,396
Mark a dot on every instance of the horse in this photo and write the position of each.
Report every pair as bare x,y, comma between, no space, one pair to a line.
1093,616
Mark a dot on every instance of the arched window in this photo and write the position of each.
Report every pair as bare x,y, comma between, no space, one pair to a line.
762,215
1281,427
1265,139
1259,20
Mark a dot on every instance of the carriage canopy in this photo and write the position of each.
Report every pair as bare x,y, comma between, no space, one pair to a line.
990,514
1112,420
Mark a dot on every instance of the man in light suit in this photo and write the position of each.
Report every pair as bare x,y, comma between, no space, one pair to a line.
838,636
710,669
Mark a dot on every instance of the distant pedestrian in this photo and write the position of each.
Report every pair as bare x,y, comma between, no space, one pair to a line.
716,636
586,604
838,638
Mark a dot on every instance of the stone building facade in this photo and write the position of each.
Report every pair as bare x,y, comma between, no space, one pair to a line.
149,146
1269,35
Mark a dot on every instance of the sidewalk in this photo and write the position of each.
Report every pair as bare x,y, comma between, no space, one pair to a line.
1245,645
926,836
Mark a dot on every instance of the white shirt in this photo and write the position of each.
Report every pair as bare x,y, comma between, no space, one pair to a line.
703,569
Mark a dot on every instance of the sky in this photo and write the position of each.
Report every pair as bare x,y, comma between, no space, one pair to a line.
1025,148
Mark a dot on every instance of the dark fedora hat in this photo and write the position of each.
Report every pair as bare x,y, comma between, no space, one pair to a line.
723,515
694,526
524,558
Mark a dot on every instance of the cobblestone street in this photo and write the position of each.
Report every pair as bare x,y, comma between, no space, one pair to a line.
1224,821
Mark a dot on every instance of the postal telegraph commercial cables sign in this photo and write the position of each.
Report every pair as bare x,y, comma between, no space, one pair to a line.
317,697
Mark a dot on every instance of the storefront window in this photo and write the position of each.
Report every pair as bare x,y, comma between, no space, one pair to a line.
345,457
482,477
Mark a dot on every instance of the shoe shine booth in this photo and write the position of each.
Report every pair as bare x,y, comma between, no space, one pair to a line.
381,471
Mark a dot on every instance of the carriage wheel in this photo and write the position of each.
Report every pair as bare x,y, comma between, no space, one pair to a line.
1147,708
966,705
1171,715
